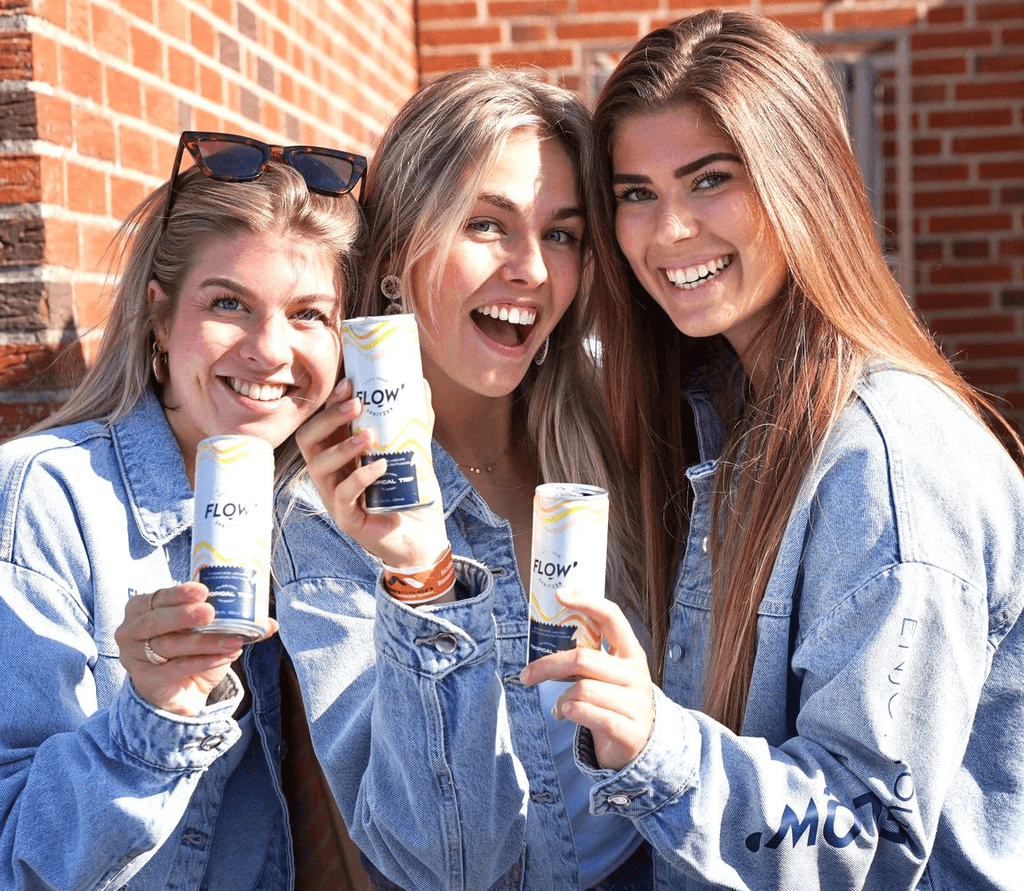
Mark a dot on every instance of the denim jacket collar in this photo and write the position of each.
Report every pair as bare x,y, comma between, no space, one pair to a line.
160,499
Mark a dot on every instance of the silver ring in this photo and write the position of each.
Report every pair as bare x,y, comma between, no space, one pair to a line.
152,655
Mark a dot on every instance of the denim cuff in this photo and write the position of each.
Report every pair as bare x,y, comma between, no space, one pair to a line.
165,741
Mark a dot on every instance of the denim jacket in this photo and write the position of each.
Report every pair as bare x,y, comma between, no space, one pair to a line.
99,789
883,743
404,704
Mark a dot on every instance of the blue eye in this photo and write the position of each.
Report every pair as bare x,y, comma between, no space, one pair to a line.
633,194
483,227
711,179
227,302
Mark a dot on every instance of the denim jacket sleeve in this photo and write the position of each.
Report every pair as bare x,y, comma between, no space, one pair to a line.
904,555
403,707
92,778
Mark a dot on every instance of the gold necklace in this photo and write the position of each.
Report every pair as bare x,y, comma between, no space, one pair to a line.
478,470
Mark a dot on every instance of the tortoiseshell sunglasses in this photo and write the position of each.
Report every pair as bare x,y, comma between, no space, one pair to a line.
236,159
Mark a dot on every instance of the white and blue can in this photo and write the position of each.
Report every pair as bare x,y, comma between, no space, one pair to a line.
569,550
382,359
234,494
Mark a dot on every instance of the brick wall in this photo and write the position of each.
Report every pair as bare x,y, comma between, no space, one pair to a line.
957,193
93,96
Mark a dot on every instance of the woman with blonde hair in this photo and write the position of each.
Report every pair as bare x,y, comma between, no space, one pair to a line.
839,701
135,751
477,203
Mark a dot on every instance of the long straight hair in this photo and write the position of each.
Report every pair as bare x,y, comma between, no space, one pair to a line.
426,174
771,95
276,204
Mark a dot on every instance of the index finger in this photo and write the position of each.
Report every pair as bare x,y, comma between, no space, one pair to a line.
607,618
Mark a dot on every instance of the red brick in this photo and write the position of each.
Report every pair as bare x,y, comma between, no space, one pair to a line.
430,12
467,36
55,11
96,255
987,324
431,64
181,69
138,150
87,189
161,108
126,194
928,93
46,60
147,52
94,135
62,247
204,36
813,22
91,303
1002,170
970,223
15,56
940,65
976,274
124,92
534,58
988,144
20,179
1011,247
999,12
1000,349
211,84
142,9
78,21
940,172
966,117
945,15
173,19
1007,89
1004,63
595,30
864,19
953,198
110,31
52,181
53,116
501,9
931,301
531,33
81,74
922,41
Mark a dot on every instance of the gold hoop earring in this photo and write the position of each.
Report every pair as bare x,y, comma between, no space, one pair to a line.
160,363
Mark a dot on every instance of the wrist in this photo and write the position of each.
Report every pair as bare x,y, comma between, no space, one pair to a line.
417,585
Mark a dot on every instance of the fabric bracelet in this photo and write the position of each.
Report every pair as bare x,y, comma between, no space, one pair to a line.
421,584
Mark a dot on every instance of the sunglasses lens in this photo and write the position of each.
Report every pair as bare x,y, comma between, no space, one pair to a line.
323,172
231,160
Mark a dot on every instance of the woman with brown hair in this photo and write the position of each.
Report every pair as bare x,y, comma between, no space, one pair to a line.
839,703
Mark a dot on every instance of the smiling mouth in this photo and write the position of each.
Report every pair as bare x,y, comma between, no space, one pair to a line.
505,324
694,276
258,392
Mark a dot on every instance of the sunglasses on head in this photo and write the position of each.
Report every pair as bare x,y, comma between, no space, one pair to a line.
239,159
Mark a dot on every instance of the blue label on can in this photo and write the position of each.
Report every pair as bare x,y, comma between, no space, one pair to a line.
398,487
546,639
232,591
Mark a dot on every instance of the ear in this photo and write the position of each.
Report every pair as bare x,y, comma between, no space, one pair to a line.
160,310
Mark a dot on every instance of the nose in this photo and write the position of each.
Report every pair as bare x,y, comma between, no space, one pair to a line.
268,342
676,222
525,263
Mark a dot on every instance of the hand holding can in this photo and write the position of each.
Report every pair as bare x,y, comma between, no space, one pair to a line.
382,359
569,550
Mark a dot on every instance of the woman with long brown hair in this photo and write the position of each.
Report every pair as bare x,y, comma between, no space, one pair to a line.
839,703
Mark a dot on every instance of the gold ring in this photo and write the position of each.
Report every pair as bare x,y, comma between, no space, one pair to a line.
152,655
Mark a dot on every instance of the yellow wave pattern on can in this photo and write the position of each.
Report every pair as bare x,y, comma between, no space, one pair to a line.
566,514
409,439
224,451
377,337
204,551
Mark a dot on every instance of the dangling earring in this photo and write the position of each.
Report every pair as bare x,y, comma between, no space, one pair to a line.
391,288
542,353
159,362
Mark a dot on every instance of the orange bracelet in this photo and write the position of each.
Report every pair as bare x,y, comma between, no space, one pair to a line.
421,585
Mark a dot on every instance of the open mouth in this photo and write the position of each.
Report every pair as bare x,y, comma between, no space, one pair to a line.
700,274
258,392
505,324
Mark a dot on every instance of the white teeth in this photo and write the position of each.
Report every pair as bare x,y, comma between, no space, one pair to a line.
516,315
692,276
259,392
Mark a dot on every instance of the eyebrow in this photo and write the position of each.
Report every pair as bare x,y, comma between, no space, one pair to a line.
680,172
503,203
228,284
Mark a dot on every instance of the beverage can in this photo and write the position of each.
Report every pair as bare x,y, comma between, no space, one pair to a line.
234,493
382,359
569,550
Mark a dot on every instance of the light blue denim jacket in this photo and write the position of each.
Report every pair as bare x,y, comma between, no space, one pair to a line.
99,789
904,555
902,677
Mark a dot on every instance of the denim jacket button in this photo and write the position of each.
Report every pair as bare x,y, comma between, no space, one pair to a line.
675,652
618,800
704,544
445,643
211,742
